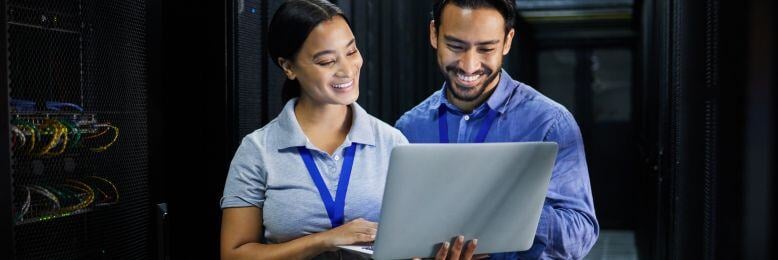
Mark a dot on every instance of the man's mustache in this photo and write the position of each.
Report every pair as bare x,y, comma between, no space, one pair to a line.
483,71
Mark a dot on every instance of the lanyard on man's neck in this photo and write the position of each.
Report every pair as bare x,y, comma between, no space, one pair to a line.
482,132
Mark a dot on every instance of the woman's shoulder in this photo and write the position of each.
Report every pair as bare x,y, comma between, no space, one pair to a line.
386,133
381,133
258,139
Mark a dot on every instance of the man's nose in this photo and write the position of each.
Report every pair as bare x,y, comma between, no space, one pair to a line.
470,63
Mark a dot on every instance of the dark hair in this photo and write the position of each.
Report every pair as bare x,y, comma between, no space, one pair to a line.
505,7
291,24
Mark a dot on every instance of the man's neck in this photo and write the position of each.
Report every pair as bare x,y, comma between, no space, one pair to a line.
469,106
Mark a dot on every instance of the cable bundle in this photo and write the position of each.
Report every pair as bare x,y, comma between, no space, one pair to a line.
41,202
61,126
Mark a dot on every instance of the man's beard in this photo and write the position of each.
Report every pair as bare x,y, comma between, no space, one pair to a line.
460,92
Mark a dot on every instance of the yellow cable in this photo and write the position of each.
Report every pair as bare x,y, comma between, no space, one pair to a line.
116,191
59,131
115,137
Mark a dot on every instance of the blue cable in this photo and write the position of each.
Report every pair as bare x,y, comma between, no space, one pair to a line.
21,105
57,106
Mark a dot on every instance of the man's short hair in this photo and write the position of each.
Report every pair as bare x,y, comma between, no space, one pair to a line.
505,7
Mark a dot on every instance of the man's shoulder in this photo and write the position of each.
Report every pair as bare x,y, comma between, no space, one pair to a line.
529,102
420,111
536,107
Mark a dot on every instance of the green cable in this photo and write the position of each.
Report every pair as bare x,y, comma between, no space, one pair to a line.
73,129
65,199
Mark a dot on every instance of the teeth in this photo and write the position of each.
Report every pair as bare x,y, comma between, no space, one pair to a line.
344,85
465,78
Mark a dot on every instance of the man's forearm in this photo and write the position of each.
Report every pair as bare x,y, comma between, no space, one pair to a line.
568,233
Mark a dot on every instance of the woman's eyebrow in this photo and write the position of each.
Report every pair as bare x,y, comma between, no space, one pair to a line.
351,42
325,52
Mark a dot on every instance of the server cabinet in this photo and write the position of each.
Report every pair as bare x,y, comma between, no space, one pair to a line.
75,161
692,131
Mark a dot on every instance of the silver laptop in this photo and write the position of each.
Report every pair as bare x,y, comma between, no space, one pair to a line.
434,192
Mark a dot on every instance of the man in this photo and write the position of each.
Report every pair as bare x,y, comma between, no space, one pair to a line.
479,102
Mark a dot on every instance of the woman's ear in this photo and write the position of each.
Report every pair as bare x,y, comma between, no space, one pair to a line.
287,66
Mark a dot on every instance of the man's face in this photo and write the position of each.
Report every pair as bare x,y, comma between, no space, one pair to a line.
470,45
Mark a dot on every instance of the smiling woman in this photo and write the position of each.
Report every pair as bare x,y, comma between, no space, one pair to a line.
317,50
327,66
290,192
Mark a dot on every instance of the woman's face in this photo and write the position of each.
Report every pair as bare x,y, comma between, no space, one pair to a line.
327,66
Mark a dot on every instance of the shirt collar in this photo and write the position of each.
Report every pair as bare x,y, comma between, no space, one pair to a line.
361,131
498,101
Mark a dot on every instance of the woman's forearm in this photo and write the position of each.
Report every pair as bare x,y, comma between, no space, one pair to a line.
302,248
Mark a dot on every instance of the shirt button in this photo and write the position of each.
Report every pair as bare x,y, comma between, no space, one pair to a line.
336,157
467,117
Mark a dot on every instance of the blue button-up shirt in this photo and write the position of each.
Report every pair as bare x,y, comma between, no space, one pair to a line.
268,172
568,227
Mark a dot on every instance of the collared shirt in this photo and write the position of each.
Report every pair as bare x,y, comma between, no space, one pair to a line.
268,172
568,227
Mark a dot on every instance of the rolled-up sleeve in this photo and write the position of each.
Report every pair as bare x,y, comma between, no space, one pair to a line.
246,181
568,226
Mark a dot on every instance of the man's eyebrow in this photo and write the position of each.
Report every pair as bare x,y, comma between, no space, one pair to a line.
460,41
454,39
488,42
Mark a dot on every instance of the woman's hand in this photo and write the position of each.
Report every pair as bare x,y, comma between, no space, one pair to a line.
354,232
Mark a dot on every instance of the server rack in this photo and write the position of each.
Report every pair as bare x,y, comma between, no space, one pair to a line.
75,161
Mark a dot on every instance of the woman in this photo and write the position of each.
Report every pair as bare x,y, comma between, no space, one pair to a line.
312,178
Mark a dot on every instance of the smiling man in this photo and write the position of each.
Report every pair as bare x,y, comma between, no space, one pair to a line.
480,102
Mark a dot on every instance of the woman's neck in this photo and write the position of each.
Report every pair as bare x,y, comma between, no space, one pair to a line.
325,125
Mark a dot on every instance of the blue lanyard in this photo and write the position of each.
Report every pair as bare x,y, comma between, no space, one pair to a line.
479,138
335,207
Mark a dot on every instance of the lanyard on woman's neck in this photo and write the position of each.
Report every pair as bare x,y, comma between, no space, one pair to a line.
334,207
479,138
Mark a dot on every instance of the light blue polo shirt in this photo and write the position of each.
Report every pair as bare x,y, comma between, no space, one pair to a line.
268,172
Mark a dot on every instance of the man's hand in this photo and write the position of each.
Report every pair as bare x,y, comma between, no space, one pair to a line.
447,252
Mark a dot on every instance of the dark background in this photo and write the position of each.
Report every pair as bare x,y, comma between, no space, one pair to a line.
675,101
